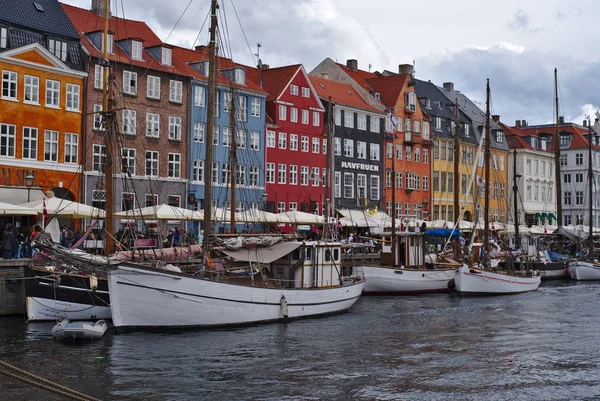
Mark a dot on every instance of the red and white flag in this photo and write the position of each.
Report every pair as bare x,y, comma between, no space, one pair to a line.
45,214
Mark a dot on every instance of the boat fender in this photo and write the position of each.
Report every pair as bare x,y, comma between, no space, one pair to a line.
93,282
451,284
284,306
474,271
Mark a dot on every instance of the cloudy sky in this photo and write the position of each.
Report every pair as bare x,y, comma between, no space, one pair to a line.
515,43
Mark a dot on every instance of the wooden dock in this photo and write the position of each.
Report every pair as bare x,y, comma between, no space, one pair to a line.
12,286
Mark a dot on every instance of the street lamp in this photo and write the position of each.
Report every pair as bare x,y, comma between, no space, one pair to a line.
29,182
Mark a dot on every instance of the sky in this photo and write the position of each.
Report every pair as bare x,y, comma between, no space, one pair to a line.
517,44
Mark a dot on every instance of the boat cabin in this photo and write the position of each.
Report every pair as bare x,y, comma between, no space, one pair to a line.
410,249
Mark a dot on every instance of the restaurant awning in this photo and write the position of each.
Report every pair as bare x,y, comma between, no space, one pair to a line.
539,216
552,216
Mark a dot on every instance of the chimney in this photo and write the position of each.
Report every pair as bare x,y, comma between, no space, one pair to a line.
496,117
405,69
201,48
266,66
352,64
518,123
99,7
561,119
523,123
449,86
325,75
585,123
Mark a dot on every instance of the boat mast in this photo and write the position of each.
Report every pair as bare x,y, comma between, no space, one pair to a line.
456,152
210,121
109,242
486,209
557,159
394,216
516,198
591,194
232,165
329,226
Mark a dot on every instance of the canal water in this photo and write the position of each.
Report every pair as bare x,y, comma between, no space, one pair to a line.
537,346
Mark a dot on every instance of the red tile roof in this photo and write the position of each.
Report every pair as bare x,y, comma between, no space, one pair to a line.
340,93
275,80
389,87
359,76
579,133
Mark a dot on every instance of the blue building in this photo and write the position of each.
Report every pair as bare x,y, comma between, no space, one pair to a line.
249,109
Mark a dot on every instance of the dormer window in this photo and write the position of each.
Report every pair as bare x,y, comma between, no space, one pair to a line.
427,102
58,48
110,43
534,143
411,102
499,136
467,130
206,68
240,76
166,56
136,50
3,38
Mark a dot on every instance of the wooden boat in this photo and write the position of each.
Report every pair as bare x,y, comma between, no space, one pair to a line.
582,270
81,330
470,281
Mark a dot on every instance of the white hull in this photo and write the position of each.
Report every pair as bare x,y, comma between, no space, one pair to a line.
393,281
150,299
471,281
42,309
70,331
579,270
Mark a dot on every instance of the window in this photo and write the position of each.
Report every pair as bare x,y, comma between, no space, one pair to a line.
52,93
579,177
293,206
175,90
417,155
361,150
198,171
408,125
348,185
425,129
316,145
374,189
242,108
408,153
337,184
153,87
348,120
280,207
128,160
398,180
199,96
305,117
425,183
293,114
399,154
73,97
436,150
151,200
152,163
436,181
99,124
253,176
467,130
241,138
374,151
3,38
502,164
304,144
166,56
270,176
99,199
129,122
109,40
294,90
215,173
567,197
348,149
426,156
175,128
227,136
361,189
174,165
337,146
282,144
240,76
226,174
98,157
443,181
564,141
316,118
153,125
305,92
58,48
389,150
337,115
255,108
411,101
174,200
254,140
293,174
98,77
282,174
199,129
362,121
270,139
282,112
127,201
567,178
568,220
579,197
563,159
304,175
579,159
502,193
50,146
293,142
71,148
443,152
29,143
32,90
130,82
136,50
375,124
315,177
499,136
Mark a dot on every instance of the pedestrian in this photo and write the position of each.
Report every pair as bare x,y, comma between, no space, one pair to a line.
20,242
9,243
35,231
67,240
176,237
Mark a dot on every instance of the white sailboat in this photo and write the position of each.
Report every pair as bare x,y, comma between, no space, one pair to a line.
276,282
470,280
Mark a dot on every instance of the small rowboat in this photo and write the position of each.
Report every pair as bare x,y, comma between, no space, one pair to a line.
80,330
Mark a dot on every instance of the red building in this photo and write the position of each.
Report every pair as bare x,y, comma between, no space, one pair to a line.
296,145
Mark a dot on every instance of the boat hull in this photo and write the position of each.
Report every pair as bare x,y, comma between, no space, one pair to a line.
145,298
65,296
579,270
393,281
72,331
479,282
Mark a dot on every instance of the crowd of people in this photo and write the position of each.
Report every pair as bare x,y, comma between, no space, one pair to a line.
16,245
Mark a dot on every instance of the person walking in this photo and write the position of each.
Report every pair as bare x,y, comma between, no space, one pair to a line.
37,229
67,237
20,242
176,237
9,243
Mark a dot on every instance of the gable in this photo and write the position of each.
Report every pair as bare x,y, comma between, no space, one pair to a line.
301,80
36,56
33,57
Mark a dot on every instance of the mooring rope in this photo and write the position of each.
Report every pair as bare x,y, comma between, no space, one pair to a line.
38,381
